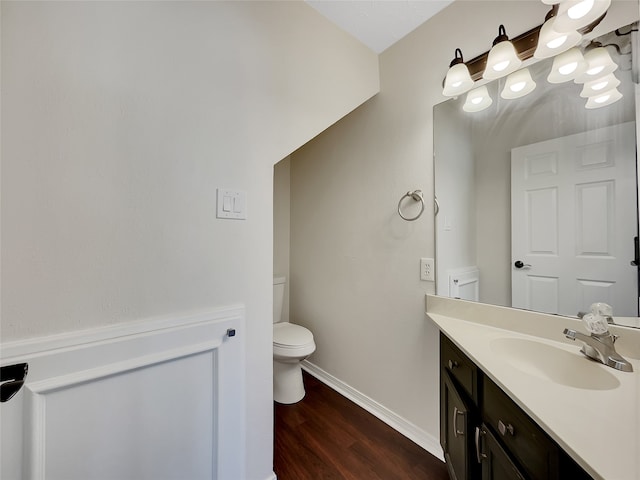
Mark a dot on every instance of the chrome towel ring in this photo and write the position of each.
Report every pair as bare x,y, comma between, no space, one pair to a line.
416,195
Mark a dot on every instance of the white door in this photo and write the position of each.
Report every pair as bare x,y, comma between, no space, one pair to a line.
573,221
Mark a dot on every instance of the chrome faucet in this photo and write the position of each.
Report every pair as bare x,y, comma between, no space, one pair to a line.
600,347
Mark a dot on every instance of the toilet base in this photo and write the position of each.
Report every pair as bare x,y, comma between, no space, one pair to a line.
288,386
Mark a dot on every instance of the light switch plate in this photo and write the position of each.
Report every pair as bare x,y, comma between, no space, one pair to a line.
232,204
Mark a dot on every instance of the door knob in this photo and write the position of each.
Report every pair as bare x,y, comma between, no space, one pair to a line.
519,264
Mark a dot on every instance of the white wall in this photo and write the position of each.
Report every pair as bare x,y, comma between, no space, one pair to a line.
119,121
354,262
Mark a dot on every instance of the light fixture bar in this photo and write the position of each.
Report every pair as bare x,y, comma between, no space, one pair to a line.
525,44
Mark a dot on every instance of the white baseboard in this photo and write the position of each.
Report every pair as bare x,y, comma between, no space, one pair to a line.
430,443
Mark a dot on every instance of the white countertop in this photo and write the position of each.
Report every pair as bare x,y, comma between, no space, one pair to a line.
593,415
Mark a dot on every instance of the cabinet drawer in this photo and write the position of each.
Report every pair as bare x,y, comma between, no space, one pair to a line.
536,453
459,366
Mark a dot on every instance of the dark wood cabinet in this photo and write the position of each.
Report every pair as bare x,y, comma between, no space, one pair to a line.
457,427
485,435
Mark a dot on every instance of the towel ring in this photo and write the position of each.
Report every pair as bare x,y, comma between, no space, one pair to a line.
417,196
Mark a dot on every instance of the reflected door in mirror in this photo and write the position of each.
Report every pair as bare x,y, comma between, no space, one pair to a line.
573,221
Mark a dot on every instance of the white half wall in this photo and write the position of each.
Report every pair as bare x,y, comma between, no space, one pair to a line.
161,398
119,122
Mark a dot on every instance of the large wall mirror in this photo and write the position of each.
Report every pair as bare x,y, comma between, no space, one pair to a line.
538,204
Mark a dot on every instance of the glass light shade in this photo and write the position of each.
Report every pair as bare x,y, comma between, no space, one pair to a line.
599,85
567,66
575,14
518,85
502,60
457,81
552,42
599,64
604,99
477,99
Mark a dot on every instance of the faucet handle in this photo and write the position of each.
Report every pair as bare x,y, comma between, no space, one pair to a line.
595,323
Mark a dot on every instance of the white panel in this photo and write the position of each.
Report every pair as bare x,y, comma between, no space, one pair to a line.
152,400
594,217
591,291
595,155
144,422
542,165
543,221
543,294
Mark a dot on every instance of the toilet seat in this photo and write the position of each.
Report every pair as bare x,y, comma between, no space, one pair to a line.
292,341
289,335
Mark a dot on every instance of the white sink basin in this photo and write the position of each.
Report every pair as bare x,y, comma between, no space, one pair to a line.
554,364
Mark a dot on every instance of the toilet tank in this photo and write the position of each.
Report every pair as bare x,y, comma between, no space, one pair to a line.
278,297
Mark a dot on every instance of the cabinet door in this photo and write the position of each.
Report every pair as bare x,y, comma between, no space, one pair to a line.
519,434
456,430
496,464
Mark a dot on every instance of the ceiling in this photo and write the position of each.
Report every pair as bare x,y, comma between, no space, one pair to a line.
378,23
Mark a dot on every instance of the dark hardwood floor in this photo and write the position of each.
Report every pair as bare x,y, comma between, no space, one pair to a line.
326,436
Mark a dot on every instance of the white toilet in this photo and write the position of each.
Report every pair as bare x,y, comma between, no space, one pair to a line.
291,344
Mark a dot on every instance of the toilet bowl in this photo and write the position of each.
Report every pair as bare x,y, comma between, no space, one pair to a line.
291,344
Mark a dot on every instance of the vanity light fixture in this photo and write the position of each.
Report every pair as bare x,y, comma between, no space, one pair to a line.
525,45
576,14
567,66
604,99
477,99
518,85
551,42
503,57
598,63
599,85
458,80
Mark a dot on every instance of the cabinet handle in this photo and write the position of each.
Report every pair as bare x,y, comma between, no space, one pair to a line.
479,455
457,412
452,364
503,429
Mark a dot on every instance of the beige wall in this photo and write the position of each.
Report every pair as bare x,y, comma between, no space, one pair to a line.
282,225
354,263
119,121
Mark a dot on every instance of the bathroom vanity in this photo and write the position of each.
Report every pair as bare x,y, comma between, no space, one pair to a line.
519,401
475,412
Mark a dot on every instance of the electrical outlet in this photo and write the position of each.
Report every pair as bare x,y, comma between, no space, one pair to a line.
427,269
